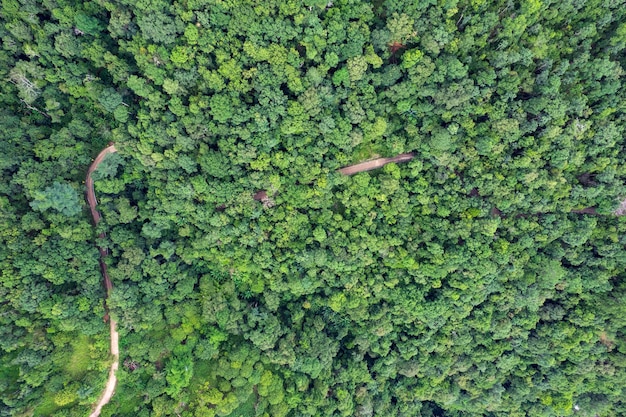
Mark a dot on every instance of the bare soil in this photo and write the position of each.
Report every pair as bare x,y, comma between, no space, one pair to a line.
109,389
374,164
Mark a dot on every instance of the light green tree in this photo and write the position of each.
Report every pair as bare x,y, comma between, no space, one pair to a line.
59,196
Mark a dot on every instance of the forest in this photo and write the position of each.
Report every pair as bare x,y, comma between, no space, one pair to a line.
483,277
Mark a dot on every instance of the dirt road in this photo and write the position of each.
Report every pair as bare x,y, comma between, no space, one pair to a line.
115,352
107,394
376,163
91,200
380,162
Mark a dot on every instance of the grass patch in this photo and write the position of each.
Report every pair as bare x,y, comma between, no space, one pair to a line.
80,359
366,151
202,373
47,406
245,409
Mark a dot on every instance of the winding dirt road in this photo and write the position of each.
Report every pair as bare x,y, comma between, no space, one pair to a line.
91,200
107,394
115,351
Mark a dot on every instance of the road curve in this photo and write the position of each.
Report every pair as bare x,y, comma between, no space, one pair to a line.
106,395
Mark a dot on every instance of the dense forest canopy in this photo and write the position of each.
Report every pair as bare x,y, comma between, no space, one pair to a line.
484,277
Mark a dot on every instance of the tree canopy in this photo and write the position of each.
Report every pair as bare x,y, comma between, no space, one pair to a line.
483,277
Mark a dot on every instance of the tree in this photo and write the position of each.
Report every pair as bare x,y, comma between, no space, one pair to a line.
59,196
482,277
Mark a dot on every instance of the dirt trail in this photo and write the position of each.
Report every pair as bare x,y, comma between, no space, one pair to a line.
380,162
107,394
376,163
91,200
115,351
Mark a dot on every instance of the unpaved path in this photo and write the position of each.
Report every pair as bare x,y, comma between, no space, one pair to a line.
91,200
373,164
115,351
380,162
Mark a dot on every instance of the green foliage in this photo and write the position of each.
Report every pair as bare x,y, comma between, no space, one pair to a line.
87,24
109,99
108,167
65,397
411,57
179,373
483,277
81,357
400,27
59,196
